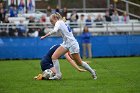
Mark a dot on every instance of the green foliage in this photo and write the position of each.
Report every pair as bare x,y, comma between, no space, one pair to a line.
115,75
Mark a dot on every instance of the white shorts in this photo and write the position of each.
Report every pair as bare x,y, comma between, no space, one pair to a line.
73,48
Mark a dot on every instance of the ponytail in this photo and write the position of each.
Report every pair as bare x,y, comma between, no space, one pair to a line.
64,19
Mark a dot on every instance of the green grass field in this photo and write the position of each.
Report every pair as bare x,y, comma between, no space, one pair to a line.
115,75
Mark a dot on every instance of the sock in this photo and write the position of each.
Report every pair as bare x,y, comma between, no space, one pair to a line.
57,67
88,68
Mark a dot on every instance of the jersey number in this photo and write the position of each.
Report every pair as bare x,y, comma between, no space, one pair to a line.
69,29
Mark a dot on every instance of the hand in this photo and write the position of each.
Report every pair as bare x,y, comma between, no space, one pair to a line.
42,37
82,70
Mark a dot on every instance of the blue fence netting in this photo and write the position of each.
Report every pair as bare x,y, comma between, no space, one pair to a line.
102,46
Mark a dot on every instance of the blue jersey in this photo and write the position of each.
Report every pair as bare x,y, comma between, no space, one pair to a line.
86,37
46,62
52,50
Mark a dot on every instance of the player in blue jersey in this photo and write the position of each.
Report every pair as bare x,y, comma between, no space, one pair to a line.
46,63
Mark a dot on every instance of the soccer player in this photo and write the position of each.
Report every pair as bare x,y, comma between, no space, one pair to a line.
69,43
46,63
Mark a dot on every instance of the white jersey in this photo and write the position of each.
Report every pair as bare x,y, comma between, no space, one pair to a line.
66,32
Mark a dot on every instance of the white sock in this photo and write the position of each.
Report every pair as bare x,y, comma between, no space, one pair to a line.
57,67
88,68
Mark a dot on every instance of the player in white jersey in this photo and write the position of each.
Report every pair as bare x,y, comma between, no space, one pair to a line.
69,43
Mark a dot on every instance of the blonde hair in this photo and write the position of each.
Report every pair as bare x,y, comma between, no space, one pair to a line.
64,19
58,16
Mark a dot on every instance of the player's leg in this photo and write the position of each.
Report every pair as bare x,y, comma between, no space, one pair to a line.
53,70
59,51
74,50
89,50
84,50
79,61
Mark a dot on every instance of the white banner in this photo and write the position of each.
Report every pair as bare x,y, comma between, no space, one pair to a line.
21,6
21,2
31,6
11,2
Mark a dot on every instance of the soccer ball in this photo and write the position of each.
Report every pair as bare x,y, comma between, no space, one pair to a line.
47,74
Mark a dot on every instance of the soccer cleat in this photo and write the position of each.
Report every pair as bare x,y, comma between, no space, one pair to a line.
94,76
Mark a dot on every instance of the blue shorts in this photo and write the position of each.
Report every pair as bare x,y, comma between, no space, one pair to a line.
46,63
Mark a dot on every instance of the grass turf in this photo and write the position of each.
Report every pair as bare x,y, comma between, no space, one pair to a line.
115,75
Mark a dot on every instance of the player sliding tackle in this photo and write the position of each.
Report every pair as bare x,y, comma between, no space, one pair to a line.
46,63
69,44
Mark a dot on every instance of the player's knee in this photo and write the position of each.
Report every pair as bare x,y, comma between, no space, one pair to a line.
54,58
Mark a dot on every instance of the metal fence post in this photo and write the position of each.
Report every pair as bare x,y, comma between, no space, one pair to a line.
107,28
84,6
59,3
132,27
108,3
127,6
